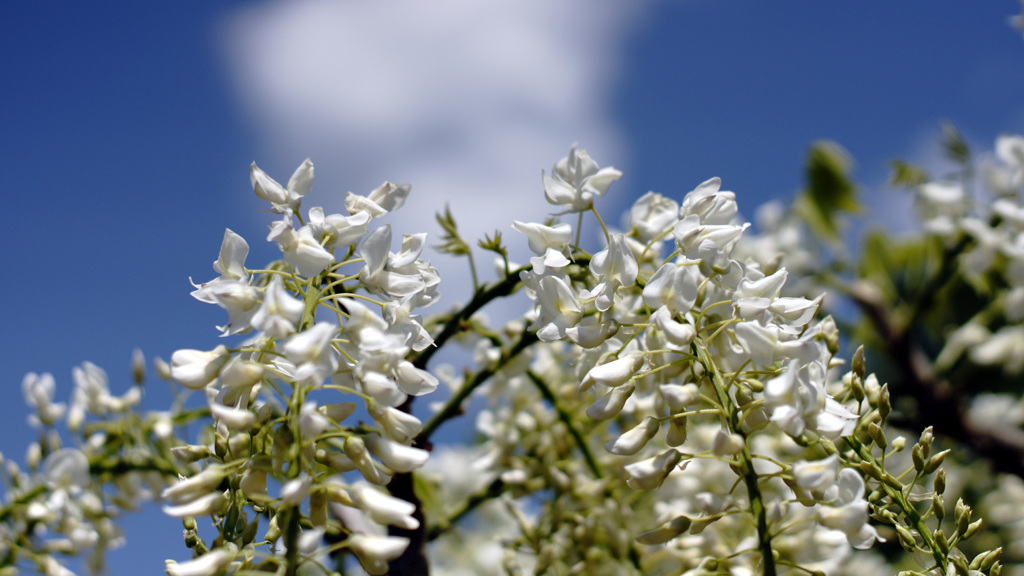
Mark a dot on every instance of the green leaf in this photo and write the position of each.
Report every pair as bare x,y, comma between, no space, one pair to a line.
451,243
954,145
493,244
908,175
829,191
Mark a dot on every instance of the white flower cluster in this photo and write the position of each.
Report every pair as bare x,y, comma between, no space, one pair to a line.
688,367
282,401
986,235
62,504
669,404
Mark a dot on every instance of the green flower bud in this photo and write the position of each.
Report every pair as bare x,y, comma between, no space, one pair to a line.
857,363
935,461
906,538
940,482
942,542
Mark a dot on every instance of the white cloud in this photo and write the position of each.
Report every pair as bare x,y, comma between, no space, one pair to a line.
467,101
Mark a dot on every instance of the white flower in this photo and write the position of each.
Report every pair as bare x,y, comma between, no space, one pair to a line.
206,565
614,373
849,511
201,484
38,391
374,552
709,204
559,309
296,490
397,457
234,418
195,368
652,215
614,267
677,334
589,333
817,476
1010,149
541,238
343,231
710,243
230,262
549,242
238,298
279,312
1005,347
679,396
383,508
575,180
651,473
204,505
65,469
312,354
237,379
634,439
301,250
378,271
283,200
727,443
385,198
673,286
609,405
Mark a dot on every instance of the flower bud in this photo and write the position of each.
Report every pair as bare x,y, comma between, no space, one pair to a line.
942,542
935,461
876,433
651,473
915,456
664,532
906,538
296,490
383,508
609,405
210,563
195,368
678,397
727,443
858,364
397,457
614,373
138,366
633,440
374,552
187,489
972,528
676,434
884,407
212,503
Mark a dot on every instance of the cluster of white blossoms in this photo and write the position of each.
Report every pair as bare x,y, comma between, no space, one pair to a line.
987,234
281,401
668,404
688,365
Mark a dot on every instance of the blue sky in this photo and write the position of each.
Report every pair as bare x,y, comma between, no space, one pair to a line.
128,129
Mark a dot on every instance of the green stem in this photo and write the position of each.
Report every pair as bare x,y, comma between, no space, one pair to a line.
494,489
454,405
897,496
25,498
455,324
607,238
566,419
746,463
472,268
